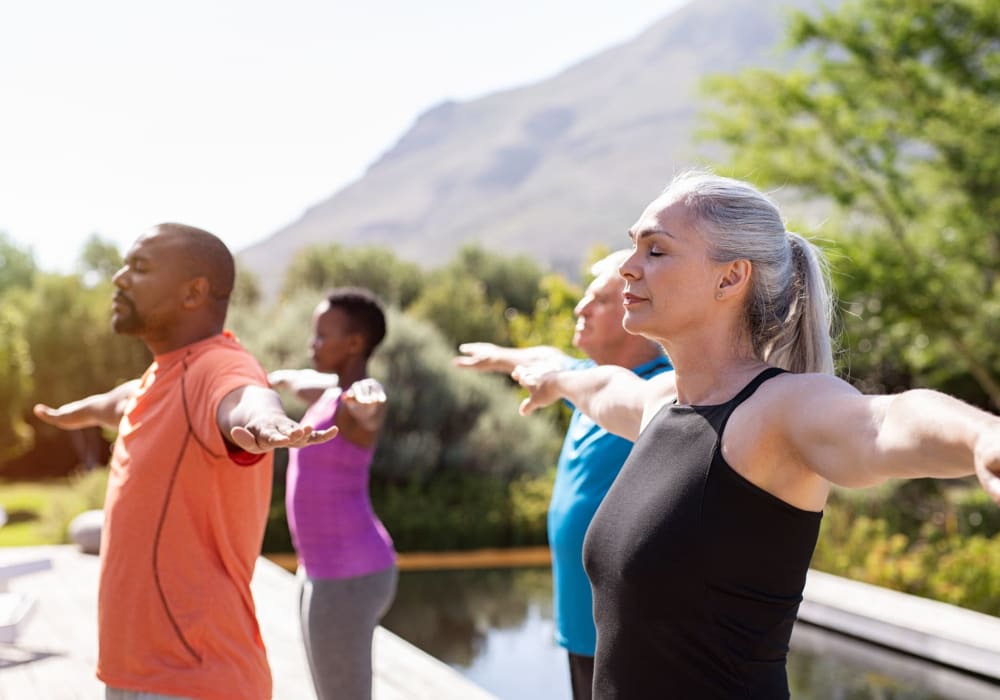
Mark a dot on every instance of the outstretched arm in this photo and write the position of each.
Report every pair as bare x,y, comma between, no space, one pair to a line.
617,399
307,384
104,410
487,357
856,440
362,411
253,419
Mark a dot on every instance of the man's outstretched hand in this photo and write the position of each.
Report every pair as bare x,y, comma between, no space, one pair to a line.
269,432
67,417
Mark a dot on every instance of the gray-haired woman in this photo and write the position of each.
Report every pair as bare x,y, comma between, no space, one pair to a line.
699,552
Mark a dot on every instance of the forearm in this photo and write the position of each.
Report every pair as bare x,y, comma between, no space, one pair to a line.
306,384
102,410
611,396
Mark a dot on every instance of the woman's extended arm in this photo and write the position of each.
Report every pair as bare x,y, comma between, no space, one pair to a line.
307,384
856,440
615,398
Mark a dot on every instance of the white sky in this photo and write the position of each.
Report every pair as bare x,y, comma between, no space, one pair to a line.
237,115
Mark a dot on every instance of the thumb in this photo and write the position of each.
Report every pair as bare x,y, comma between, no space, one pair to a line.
244,439
527,407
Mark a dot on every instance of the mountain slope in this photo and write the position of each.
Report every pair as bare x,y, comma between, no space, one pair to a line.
548,169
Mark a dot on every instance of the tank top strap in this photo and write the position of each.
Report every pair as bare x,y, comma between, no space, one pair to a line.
744,394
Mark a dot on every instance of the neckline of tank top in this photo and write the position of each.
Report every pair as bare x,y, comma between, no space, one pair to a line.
673,404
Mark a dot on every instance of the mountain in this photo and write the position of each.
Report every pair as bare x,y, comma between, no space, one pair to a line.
548,169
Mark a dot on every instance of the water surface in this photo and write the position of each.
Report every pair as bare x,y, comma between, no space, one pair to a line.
495,627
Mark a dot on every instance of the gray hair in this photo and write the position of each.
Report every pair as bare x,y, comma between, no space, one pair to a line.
609,264
789,308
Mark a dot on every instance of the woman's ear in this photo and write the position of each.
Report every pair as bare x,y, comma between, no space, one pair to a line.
735,279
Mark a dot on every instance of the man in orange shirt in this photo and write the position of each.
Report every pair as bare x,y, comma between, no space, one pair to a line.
189,484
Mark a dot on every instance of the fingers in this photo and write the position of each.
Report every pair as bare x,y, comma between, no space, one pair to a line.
539,393
244,439
527,407
278,377
990,481
59,417
259,439
987,462
264,439
475,356
320,436
366,391
42,411
526,376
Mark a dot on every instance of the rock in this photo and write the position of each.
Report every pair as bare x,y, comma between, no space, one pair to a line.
85,530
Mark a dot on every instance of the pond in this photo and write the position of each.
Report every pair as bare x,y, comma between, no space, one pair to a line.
495,627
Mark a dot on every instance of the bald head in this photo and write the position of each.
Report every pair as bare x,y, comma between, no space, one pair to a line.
201,254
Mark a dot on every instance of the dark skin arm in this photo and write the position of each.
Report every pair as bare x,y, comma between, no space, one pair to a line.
103,410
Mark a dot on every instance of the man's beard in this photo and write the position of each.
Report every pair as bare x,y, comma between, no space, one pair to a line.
128,323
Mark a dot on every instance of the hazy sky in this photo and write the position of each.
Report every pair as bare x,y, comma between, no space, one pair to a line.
238,115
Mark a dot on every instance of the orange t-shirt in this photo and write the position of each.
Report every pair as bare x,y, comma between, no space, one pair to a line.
182,531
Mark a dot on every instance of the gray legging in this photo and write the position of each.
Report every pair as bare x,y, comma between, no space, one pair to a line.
338,620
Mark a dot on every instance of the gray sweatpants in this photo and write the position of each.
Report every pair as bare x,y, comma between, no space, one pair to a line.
121,694
338,618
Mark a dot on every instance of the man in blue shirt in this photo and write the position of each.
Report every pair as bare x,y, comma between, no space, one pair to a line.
591,457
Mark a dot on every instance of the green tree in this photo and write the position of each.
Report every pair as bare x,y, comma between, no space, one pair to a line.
100,258
246,290
551,321
895,119
443,419
73,350
15,384
460,308
513,281
319,268
17,264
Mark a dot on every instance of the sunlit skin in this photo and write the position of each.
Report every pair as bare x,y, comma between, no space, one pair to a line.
156,301
676,295
598,330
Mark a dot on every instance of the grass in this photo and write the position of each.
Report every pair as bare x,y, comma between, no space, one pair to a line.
39,513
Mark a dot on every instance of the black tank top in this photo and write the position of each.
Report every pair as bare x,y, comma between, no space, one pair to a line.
697,573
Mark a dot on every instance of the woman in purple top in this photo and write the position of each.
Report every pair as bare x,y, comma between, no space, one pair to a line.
346,559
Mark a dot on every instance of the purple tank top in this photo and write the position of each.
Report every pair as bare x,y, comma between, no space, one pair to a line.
334,529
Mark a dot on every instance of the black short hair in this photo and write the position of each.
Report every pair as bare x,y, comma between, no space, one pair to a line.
365,313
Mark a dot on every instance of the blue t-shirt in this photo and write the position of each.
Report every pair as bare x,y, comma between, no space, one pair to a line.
588,464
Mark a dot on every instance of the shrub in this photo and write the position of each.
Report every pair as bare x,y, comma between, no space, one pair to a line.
942,545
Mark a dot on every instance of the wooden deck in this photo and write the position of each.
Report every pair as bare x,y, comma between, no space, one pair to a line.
55,653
